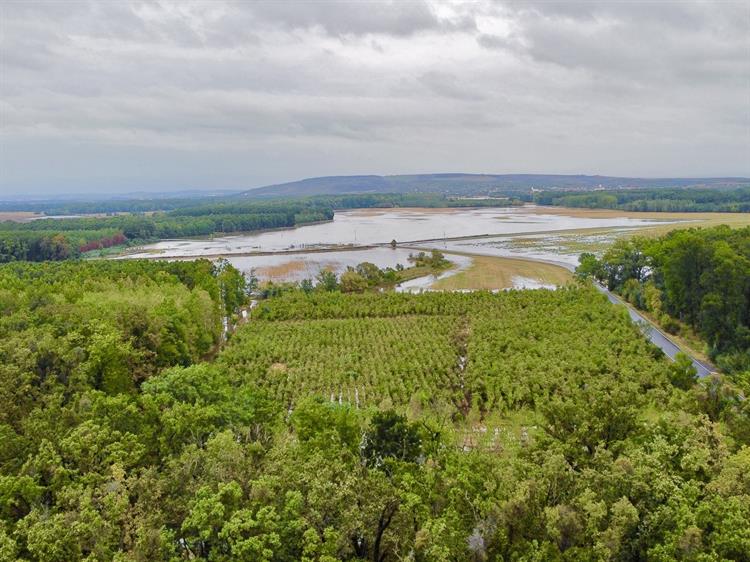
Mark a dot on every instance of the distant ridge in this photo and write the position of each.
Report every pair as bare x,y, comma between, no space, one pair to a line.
475,184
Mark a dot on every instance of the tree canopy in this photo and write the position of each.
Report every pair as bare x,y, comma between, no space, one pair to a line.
692,199
527,425
698,277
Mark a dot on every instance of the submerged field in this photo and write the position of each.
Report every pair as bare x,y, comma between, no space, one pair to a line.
554,234
566,244
364,227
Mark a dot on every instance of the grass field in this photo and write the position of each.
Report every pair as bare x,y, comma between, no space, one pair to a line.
733,220
487,272
689,220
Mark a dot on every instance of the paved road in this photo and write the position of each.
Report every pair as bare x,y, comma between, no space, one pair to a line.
656,336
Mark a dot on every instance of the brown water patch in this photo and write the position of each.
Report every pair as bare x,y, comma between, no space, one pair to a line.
291,269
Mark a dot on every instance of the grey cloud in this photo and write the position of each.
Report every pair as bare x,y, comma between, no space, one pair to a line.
358,18
495,42
248,93
687,15
643,41
446,84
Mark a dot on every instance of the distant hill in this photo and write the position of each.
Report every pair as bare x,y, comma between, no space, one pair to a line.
476,184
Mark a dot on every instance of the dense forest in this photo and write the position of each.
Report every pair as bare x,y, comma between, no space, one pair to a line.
527,425
661,200
353,201
696,277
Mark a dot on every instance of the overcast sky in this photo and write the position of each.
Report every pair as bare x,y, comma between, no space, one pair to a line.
115,96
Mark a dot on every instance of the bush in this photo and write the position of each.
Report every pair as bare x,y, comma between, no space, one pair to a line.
669,324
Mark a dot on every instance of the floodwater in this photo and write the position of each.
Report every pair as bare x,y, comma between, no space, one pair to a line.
554,247
380,226
424,283
288,266
503,247
297,253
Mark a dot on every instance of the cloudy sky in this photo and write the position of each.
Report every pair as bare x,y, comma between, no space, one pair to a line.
119,96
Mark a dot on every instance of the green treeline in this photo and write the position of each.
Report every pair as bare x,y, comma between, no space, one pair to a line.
325,204
700,277
660,200
71,237
52,244
527,425
228,203
392,200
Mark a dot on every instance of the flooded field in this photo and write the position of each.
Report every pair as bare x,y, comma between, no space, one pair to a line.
298,266
380,226
558,247
299,253
355,236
